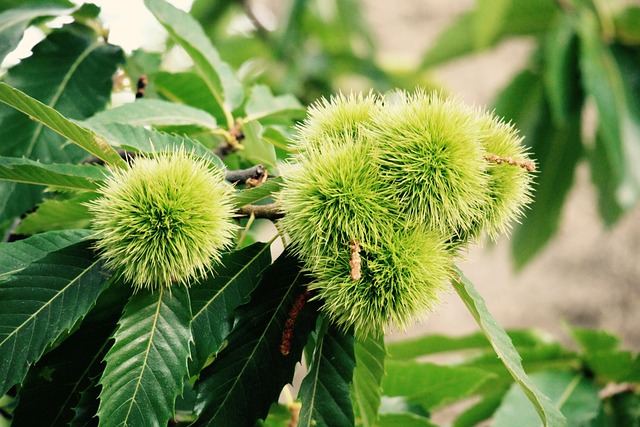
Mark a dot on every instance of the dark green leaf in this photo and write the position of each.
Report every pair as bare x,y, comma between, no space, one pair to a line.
263,106
561,71
43,301
54,384
224,87
256,194
625,410
248,375
431,385
215,299
55,214
367,379
145,112
139,139
69,72
507,353
16,256
13,22
74,177
55,121
326,400
618,110
481,411
87,408
147,365
575,395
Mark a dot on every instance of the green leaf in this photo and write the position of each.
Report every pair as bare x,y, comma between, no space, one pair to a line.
43,301
16,256
481,411
147,365
265,107
215,299
223,85
433,344
406,419
186,88
13,22
149,141
256,194
55,214
70,72
618,110
367,378
431,385
558,150
507,353
561,71
55,121
55,383
626,25
592,341
10,4
575,395
625,408
326,400
147,112
248,375
256,149
489,19
73,177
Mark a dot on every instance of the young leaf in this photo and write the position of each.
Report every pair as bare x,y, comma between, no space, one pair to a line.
248,375
149,141
147,364
43,301
223,85
431,385
257,150
54,384
367,379
575,395
325,389
263,106
17,256
187,88
55,121
255,194
507,353
55,214
73,177
70,72
215,299
155,112
13,22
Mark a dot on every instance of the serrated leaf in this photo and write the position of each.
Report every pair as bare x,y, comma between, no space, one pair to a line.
55,214
224,86
507,353
43,301
13,22
367,378
248,375
147,365
618,110
403,420
264,106
256,194
575,395
215,299
54,384
325,390
149,141
16,256
69,72
155,112
55,121
431,385
73,177
87,407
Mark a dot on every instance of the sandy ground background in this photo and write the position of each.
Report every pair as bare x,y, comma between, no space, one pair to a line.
588,276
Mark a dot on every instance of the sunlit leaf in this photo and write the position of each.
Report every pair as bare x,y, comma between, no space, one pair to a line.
367,378
74,177
147,365
53,214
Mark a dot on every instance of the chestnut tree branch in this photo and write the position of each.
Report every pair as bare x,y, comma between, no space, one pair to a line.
271,211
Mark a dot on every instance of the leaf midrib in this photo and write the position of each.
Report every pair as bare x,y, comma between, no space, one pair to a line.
309,421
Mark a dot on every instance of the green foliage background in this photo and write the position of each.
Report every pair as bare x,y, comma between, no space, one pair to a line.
75,342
